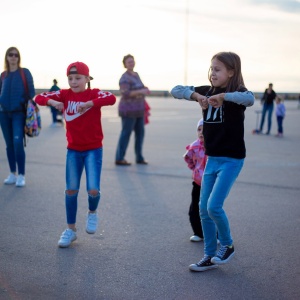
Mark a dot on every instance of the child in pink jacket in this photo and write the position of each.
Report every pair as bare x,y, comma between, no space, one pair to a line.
196,159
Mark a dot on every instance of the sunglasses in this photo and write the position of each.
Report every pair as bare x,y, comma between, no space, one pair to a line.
13,54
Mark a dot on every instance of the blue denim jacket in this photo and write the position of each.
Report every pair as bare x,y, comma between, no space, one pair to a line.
12,90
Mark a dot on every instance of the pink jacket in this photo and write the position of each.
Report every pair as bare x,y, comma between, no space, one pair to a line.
196,159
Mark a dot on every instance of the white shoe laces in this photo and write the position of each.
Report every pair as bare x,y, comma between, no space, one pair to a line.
222,251
205,259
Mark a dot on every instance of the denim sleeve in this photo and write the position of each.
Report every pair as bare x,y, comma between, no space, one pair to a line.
182,92
30,83
244,98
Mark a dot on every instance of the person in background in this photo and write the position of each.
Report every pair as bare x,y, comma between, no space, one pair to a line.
132,112
280,114
82,113
12,114
223,106
196,159
268,105
54,111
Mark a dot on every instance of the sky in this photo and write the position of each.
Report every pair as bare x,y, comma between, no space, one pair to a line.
172,41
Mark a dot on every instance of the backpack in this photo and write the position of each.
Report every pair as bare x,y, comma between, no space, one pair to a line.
33,123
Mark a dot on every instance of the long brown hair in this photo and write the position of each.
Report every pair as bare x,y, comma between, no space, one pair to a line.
6,64
232,62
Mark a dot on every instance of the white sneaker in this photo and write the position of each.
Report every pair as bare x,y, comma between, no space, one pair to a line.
11,179
67,237
91,223
20,180
196,238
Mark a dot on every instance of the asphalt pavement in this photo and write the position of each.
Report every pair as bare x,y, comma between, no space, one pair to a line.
142,249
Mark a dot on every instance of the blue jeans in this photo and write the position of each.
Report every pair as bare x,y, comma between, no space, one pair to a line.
219,175
91,160
12,125
54,113
130,124
279,123
267,108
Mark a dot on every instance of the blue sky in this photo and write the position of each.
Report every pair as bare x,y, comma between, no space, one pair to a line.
172,41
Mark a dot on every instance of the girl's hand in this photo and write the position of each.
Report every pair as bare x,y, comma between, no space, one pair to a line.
202,100
58,105
204,103
216,101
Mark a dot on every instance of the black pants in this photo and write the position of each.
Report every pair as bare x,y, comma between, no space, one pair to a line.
194,211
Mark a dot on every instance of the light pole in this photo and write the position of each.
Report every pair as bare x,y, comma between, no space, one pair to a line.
186,45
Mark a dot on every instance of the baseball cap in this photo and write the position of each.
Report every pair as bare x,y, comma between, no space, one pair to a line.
81,68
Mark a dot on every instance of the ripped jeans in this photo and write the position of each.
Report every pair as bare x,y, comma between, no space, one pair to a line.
76,161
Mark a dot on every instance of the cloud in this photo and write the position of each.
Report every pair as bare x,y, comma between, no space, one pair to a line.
292,6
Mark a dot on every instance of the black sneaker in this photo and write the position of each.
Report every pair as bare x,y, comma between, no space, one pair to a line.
203,265
224,255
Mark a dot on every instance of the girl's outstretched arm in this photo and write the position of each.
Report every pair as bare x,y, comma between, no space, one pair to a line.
244,98
188,93
182,92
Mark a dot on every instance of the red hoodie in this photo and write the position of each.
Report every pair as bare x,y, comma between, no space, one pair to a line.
83,131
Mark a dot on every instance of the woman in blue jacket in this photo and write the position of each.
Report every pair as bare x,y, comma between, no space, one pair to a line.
12,114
